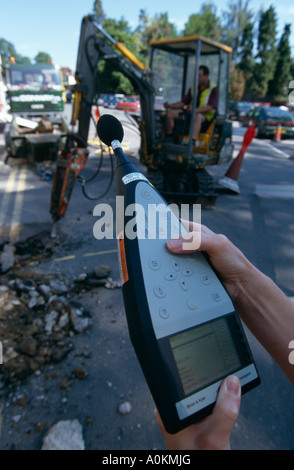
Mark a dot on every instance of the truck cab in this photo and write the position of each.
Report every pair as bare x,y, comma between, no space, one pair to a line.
34,90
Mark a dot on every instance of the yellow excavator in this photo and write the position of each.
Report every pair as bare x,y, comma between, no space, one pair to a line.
176,168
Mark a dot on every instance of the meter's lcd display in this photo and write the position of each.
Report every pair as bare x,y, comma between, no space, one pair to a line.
204,354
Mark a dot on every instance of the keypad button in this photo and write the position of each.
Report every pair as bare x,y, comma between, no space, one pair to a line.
216,296
164,312
187,272
170,276
159,291
176,265
205,279
183,284
154,264
146,194
191,304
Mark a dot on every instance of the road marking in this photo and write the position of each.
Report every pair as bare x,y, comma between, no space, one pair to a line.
18,204
97,253
9,188
280,152
278,190
65,258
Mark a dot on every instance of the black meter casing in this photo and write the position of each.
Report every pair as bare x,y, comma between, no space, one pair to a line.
182,323
154,352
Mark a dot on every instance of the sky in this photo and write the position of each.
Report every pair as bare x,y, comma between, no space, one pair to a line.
54,26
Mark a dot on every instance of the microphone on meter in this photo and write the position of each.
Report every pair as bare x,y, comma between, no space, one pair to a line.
110,131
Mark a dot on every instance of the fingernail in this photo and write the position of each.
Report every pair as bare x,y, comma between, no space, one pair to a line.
233,385
174,244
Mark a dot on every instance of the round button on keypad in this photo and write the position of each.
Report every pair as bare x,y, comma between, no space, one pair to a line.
163,312
159,291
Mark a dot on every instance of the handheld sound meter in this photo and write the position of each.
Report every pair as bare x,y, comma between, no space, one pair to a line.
183,326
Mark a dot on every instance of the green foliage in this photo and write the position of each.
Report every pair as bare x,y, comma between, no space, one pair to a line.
264,67
282,75
8,50
151,29
43,58
237,83
206,23
98,11
262,64
234,22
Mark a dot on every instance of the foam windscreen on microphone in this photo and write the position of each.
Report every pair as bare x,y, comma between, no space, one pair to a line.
109,128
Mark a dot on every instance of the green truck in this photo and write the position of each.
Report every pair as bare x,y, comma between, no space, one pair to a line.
34,90
35,97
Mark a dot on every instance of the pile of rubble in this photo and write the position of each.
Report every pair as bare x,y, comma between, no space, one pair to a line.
38,316
37,322
33,249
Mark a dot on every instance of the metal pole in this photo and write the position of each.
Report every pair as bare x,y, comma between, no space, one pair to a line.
197,57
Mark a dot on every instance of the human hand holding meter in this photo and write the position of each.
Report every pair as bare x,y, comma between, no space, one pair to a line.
266,311
263,307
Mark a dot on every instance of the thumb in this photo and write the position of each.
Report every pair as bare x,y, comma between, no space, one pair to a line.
217,428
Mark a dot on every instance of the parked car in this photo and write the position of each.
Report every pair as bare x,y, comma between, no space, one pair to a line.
128,103
267,118
110,101
239,110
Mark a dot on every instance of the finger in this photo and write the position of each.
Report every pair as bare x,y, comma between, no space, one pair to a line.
195,241
195,226
216,430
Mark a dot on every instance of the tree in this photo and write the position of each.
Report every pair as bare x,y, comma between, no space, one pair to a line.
149,29
234,22
205,23
98,11
278,86
43,58
246,63
109,79
8,50
143,35
264,67
237,84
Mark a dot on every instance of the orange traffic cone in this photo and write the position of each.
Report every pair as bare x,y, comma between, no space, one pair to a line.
97,114
230,180
277,136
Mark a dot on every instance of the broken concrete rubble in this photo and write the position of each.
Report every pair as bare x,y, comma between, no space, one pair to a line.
38,320
39,316
64,435
7,257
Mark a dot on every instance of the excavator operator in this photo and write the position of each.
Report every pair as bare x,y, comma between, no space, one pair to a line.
207,99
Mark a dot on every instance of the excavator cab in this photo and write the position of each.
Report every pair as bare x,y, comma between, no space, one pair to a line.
177,167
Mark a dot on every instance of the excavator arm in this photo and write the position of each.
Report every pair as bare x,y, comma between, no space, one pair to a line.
96,44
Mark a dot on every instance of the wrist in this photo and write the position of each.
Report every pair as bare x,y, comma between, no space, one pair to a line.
247,286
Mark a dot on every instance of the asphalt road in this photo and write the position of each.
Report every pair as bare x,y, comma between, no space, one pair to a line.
261,225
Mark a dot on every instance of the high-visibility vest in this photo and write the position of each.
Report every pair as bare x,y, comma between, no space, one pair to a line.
204,97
